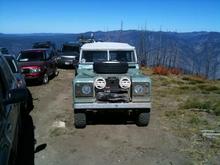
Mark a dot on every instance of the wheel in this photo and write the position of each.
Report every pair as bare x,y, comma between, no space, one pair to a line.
80,120
45,78
143,119
56,72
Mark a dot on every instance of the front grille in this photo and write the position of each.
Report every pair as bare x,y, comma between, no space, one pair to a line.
112,92
112,83
67,59
25,71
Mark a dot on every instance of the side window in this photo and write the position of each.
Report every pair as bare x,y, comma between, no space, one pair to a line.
7,72
1,95
2,88
48,55
52,54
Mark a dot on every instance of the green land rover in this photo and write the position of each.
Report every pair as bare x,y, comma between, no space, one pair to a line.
108,79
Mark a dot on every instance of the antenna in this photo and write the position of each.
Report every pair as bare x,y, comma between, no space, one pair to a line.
121,30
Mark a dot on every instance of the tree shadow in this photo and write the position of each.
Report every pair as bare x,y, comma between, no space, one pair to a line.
27,142
67,67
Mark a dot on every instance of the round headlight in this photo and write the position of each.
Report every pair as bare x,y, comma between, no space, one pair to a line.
125,83
86,89
139,89
100,83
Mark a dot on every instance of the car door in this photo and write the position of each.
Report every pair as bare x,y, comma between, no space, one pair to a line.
4,142
10,112
49,62
53,61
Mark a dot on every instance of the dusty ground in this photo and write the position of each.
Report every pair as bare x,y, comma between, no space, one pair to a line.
101,143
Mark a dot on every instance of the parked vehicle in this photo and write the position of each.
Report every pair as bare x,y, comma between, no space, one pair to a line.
46,44
27,105
69,55
109,79
16,70
10,114
38,64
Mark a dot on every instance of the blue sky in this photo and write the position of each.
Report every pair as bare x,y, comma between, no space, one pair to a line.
69,16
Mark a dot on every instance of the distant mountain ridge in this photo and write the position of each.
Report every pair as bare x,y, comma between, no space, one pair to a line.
195,52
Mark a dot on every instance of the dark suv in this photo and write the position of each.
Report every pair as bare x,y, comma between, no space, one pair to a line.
47,44
69,55
38,64
10,114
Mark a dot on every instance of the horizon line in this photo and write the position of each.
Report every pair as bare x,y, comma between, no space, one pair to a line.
168,31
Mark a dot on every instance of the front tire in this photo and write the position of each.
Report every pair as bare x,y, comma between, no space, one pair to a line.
45,78
56,72
80,120
143,119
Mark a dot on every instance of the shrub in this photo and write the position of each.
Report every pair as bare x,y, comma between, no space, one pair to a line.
216,109
208,105
175,71
208,87
194,79
195,103
161,70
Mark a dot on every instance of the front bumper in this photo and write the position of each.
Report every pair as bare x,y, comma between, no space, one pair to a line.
31,76
67,62
97,106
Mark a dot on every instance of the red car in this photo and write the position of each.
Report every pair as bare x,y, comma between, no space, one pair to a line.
38,64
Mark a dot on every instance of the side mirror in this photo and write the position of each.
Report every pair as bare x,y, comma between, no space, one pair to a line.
16,96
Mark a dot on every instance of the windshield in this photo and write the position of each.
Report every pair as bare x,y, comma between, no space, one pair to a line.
122,56
94,56
31,56
68,48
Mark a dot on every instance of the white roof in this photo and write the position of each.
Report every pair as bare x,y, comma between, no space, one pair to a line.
107,46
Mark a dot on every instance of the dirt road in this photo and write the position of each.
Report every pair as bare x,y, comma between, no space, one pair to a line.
100,143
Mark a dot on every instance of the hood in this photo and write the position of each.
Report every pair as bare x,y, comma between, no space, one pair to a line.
28,64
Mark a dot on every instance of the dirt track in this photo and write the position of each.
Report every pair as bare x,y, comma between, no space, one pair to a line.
100,143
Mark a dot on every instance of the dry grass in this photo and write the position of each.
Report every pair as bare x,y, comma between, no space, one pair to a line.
187,105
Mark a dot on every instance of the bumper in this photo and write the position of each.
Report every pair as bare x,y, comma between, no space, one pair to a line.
97,106
67,62
33,76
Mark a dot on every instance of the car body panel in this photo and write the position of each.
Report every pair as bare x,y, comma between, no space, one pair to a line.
9,113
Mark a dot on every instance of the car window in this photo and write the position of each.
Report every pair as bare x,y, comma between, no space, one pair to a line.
48,55
1,95
2,87
31,56
69,48
12,65
122,56
94,56
7,72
